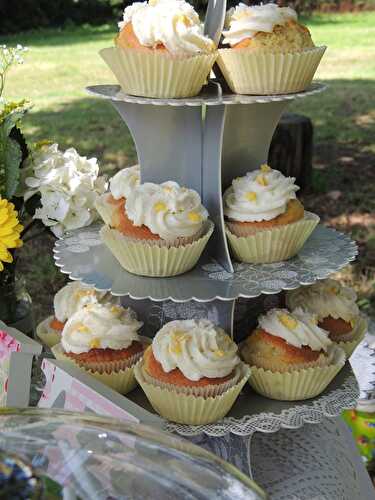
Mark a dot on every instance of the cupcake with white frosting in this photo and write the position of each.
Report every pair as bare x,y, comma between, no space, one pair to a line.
269,52
161,50
192,373
103,340
154,229
265,222
336,309
67,301
290,356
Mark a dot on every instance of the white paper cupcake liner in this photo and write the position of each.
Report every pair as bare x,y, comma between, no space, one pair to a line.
106,209
208,391
48,335
297,385
190,409
359,332
158,74
118,375
275,244
139,257
258,72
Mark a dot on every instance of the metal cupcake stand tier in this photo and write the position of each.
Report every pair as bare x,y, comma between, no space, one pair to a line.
203,143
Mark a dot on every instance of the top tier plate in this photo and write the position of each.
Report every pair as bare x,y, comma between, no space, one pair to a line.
211,95
83,256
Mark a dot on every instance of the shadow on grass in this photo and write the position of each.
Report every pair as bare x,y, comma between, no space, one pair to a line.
90,125
344,114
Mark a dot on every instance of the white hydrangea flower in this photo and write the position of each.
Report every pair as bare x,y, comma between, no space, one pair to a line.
68,185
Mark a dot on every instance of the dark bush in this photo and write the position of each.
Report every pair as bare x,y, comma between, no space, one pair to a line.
24,15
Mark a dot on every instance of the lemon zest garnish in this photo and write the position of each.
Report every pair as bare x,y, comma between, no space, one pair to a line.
82,328
194,216
352,322
160,207
265,168
184,19
288,321
219,353
261,180
95,344
115,309
251,196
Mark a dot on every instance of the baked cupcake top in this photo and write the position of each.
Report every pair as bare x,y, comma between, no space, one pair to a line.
262,194
100,326
173,24
197,348
123,183
325,298
297,328
73,297
266,27
167,209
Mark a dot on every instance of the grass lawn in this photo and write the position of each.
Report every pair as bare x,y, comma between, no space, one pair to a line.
61,63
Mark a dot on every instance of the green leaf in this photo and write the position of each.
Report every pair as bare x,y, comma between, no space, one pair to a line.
10,160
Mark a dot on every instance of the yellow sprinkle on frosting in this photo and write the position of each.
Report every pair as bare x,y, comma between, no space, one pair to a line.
265,168
194,216
95,344
261,180
219,353
160,207
288,321
83,329
251,196
116,309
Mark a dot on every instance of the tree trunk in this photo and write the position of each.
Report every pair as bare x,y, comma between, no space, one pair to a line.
291,148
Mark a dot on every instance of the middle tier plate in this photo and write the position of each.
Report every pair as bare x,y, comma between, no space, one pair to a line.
82,255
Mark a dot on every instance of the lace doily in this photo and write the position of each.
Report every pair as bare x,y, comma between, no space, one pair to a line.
314,412
83,256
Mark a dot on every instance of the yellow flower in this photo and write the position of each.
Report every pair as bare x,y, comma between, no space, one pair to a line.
10,231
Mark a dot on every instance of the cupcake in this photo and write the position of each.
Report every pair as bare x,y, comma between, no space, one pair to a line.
269,52
191,373
264,220
290,357
335,307
154,229
161,50
103,340
67,301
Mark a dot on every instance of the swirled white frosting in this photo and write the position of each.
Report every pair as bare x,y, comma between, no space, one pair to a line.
173,23
123,183
167,209
197,348
325,298
244,21
74,296
100,326
262,194
297,328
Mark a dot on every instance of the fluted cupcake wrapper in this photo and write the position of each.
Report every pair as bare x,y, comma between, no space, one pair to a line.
190,409
142,258
158,74
47,334
105,209
360,329
208,391
297,385
119,375
272,245
263,73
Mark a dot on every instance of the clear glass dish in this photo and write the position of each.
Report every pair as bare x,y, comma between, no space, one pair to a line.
99,458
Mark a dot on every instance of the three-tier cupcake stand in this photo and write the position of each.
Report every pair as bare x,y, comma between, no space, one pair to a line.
203,143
